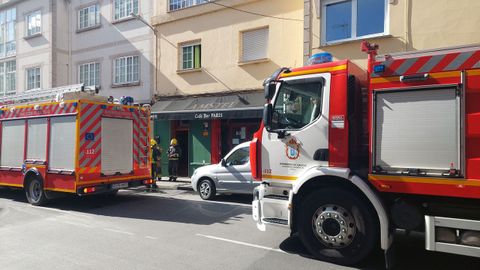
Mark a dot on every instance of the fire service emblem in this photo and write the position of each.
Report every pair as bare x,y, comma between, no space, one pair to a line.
292,149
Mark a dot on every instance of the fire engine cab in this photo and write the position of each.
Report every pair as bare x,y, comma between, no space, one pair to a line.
69,140
346,157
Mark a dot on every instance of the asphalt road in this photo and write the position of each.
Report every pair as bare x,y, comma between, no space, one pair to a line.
168,230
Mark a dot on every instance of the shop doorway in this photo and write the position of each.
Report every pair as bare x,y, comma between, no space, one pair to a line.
182,139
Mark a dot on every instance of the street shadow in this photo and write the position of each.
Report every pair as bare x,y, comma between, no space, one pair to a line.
409,253
137,204
13,194
235,198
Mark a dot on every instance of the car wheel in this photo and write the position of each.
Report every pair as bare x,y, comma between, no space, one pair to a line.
206,189
337,226
35,192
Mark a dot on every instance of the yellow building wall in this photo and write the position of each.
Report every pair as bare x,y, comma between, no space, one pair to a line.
412,25
219,31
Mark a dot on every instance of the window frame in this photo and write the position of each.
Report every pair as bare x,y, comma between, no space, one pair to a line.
35,82
98,20
353,33
194,3
6,51
127,16
191,44
126,83
321,99
98,76
5,73
241,59
27,23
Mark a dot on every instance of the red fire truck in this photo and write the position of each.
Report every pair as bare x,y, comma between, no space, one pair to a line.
347,157
80,144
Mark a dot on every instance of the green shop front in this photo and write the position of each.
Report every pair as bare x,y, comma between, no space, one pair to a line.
206,127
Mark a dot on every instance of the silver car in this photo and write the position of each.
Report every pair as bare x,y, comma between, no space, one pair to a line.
231,175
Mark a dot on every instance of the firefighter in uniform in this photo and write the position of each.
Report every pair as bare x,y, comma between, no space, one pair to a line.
174,152
156,163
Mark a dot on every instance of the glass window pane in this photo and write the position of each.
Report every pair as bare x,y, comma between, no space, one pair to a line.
370,17
338,21
297,105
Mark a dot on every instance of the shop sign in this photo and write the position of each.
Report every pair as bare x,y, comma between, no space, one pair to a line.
212,105
212,115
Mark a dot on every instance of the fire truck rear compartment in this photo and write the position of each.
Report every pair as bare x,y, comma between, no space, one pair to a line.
417,132
117,146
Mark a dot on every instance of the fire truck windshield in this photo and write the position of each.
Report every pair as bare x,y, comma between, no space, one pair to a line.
297,104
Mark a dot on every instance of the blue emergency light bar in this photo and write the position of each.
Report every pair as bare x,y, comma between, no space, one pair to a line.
320,58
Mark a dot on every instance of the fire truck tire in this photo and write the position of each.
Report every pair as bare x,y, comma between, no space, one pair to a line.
337,226
206,189
34,191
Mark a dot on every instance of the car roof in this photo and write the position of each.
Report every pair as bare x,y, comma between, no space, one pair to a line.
243,144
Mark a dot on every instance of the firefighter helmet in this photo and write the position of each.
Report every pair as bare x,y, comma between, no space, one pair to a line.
173,141
152,142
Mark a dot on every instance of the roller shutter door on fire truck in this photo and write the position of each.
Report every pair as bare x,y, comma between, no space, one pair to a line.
117,146
62,143
417,129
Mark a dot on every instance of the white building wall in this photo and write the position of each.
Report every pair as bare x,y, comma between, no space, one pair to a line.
32,51
111,40
60,47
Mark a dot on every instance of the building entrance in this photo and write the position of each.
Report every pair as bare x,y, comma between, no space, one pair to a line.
182,138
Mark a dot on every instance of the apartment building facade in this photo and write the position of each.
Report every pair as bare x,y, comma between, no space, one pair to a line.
28,42
50,43
338,26
111,48
213,58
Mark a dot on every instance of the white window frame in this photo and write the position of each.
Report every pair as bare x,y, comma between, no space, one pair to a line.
9,46
190,44
242,44
96,76
37,84
30,32
87,13
185,4
5,74
116,70
353,34
117,16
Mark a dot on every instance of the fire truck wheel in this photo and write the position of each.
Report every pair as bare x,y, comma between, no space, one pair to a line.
34,191
206,189
337,226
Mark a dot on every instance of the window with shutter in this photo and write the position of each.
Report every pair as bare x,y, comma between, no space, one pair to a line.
191,55
254,45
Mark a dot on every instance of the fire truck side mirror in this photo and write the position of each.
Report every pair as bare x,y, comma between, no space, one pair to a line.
267,116
269,89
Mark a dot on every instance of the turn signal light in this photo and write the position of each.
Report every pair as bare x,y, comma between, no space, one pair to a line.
89,190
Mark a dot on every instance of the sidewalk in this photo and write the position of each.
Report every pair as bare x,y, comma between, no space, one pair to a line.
182,183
